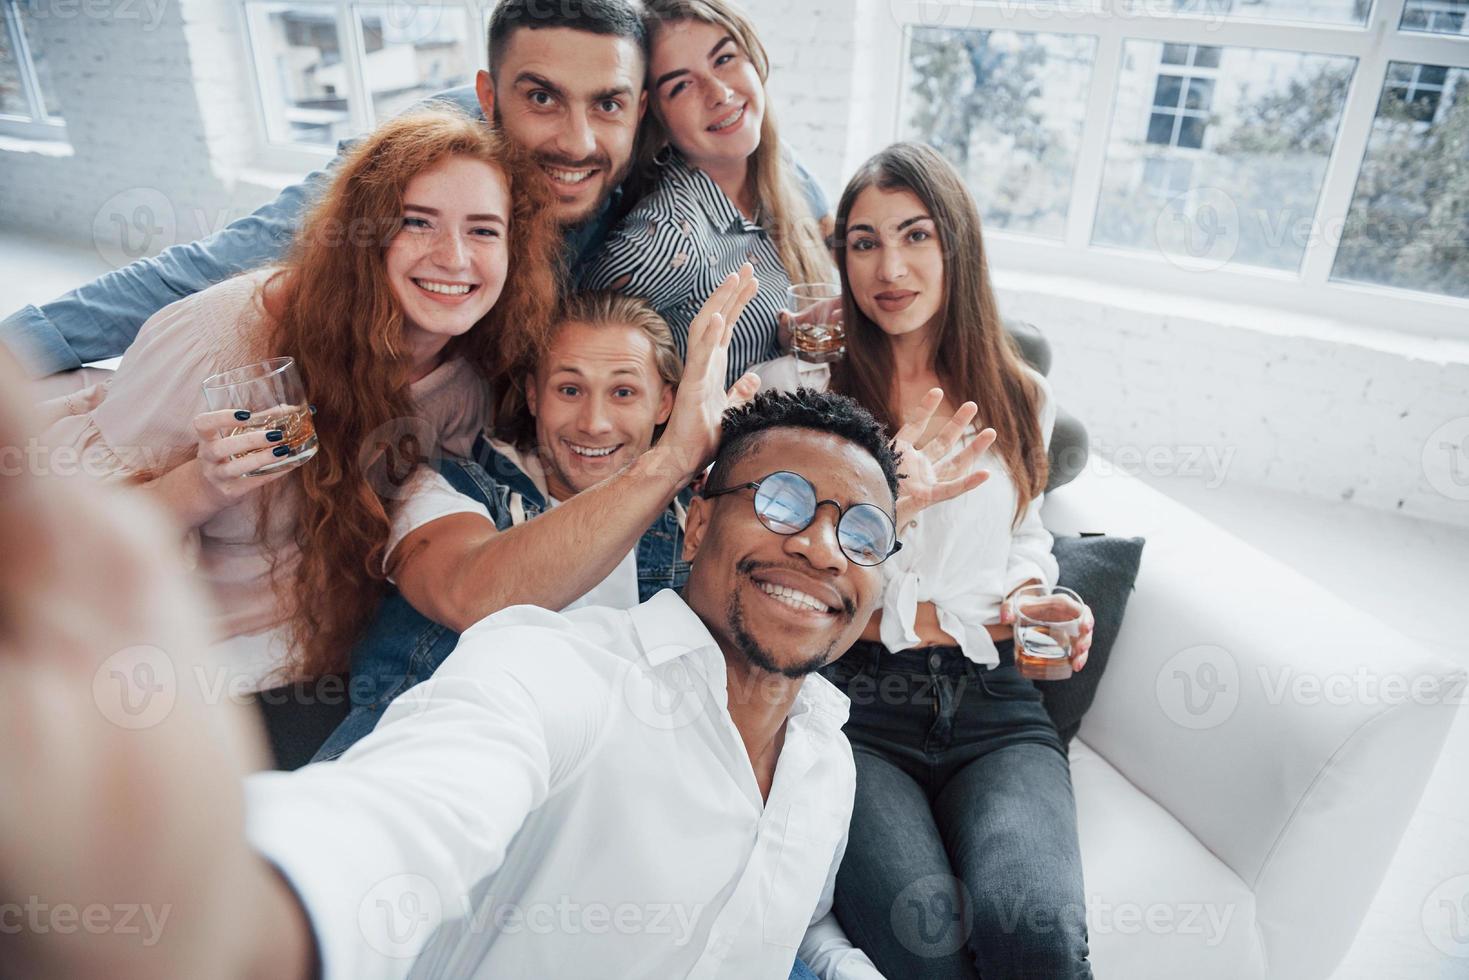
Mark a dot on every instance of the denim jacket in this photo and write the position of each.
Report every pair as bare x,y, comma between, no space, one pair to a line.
101,318
403,647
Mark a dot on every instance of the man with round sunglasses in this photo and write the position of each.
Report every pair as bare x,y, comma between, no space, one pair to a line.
655,792
786,503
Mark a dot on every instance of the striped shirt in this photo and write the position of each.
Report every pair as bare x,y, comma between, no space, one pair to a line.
676,245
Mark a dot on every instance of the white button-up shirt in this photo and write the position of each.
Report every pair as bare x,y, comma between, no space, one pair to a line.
568,797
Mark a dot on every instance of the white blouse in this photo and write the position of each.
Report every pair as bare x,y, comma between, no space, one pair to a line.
964,555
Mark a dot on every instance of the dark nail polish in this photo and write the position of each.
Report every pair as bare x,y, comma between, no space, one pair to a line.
312,409
242,415
282,450
275,435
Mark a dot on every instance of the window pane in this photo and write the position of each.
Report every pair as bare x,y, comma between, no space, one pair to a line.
1168,90
1160,128
42,64
413,52
1307,11
303,77
1256,133
1408,225
1007,109
1206,57
12,96
1436,16
1200,93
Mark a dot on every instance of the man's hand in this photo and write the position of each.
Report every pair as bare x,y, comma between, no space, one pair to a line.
122,795
934,471
692,435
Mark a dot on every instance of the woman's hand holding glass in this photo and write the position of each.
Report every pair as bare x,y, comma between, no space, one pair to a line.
940,468
1081,644
228,462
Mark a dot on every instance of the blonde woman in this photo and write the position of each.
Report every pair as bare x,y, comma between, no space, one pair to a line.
721,190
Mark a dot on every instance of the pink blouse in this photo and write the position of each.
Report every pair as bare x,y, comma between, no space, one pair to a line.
140,422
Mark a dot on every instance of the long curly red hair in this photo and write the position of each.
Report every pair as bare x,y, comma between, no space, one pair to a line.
333,311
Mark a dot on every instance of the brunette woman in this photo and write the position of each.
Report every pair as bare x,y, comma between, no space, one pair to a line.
963,857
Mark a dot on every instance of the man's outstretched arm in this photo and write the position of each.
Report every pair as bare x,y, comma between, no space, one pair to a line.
101,319
459,569
122,783
122,766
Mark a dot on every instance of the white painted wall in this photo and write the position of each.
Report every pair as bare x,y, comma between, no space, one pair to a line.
159,115
155,100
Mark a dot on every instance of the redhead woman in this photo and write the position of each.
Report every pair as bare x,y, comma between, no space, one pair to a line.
721,190
401,306
963,859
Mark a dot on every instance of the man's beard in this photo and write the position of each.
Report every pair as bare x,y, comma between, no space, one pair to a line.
599,161
753,652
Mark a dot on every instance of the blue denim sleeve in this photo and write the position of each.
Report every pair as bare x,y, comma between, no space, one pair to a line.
100,319
815,196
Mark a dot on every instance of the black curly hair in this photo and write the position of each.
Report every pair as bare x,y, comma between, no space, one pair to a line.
804,408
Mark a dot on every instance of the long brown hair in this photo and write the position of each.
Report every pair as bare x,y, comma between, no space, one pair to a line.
793,229
975,358
334,312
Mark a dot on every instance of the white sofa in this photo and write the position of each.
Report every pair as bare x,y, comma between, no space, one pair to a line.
1244,834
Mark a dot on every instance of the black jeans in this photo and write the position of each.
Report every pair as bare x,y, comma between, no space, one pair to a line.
963,859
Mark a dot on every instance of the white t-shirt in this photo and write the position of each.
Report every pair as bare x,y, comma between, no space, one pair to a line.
431,496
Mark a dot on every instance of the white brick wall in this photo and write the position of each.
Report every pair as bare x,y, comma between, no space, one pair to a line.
1336,419
1227,398
812,48
130,77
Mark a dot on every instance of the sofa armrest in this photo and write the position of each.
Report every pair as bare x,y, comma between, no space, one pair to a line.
1290,733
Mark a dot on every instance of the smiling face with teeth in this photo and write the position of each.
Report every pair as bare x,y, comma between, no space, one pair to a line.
785,604
574,99
446,264
707,94
597,398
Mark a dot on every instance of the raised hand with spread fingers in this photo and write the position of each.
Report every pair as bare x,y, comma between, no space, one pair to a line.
944,466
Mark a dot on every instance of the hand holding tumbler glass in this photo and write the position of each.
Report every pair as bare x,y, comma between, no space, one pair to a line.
259,414
1048,621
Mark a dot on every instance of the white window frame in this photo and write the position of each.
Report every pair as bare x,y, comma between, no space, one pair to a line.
1112,23
36,124
293,157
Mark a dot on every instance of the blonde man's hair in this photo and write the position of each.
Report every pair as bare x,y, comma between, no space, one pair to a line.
513,421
